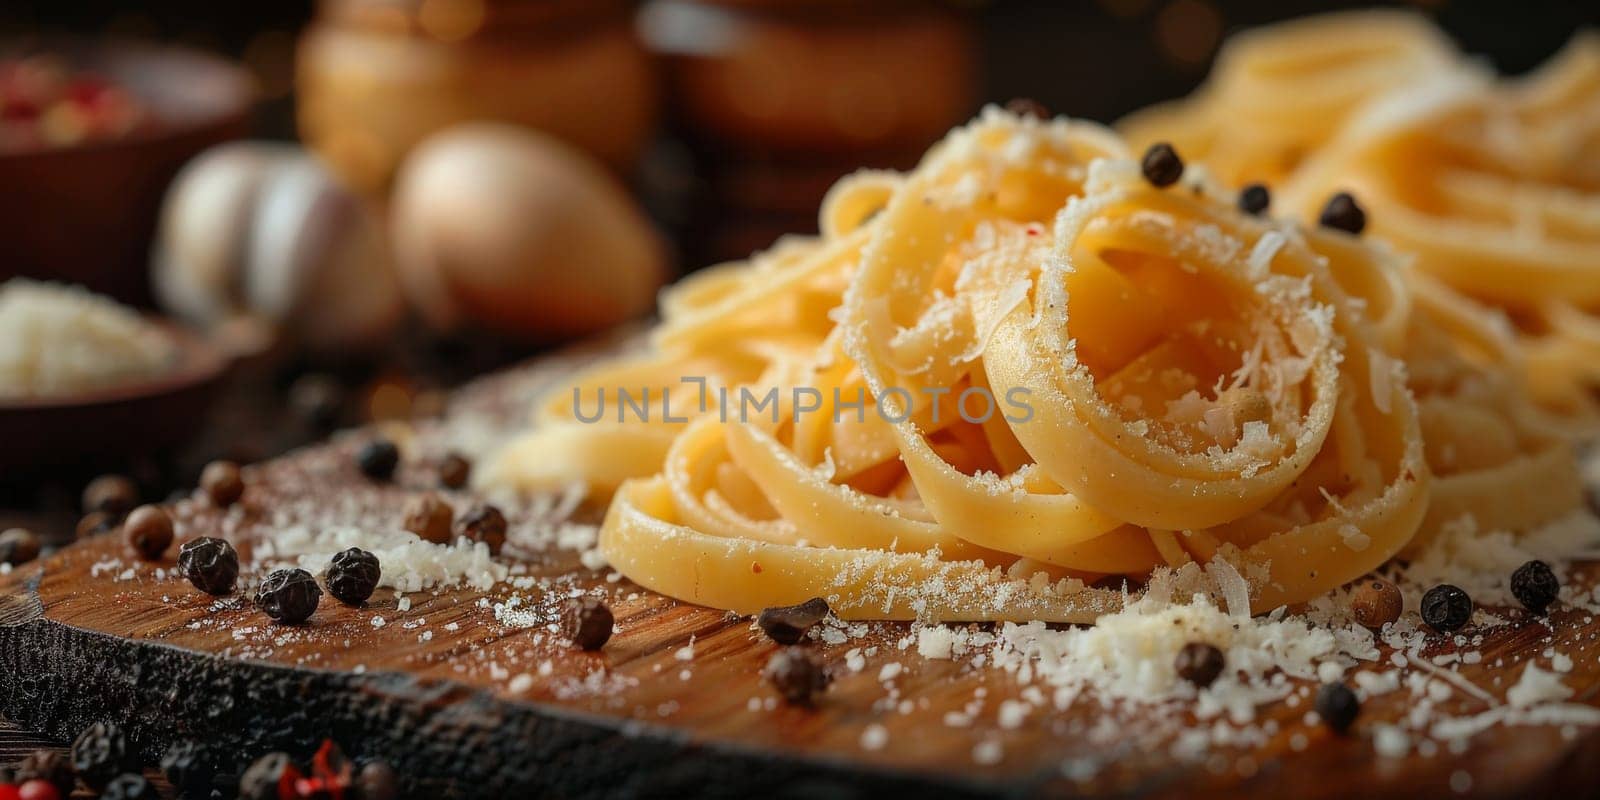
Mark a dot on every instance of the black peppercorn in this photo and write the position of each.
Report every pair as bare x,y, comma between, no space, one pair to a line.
588,622
50,767
788,624
454,470
1338,706
1446,608
148,530
189,767
378,781
1161,165
260,781
797,675
353,576
100,753
1343,213
289,596
1027,107
1199,663
113,494
484,523
211,564
1535,586
1254,199
18,546
378,459
129,787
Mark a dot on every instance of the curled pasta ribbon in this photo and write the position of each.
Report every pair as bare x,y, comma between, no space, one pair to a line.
1494,188
1278,93
1039,372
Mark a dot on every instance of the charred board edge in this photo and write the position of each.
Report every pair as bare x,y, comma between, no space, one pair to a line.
448,740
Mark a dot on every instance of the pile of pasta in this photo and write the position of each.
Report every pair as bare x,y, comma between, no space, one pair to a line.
1021,367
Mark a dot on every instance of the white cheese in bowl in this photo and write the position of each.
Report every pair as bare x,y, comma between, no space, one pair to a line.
58,340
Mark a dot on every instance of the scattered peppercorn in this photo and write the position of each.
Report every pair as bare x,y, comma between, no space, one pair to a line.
1535,586
378,781
221,482
318,400
378,459
353,576
97,522
1343,213
1376,602
189,767
1028,107
100,753
39,790
18,546
1254,199
50,767
113,494
148,530
788,624
211,564
1161,165
588,622
1338,706
454,470
430,517
1199,663
260,781
129,786
1446,608
484,523
797,675
289,596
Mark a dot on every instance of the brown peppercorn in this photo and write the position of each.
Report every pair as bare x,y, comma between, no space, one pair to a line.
148,530
50,767
113,494
484,523
1028,107
797,675
18,546
1161,165
454,471
587,621
1199,663
1376,602
221,482
378,781
788,624
97,522
430,517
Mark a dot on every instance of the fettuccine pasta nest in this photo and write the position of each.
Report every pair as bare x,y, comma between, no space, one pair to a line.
1021,367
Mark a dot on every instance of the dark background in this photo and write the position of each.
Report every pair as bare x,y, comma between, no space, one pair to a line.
1086,58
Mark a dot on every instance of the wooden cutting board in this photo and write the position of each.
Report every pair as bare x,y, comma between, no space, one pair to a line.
467,706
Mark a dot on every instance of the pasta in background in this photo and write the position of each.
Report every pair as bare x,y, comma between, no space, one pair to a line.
1277,94
1493,187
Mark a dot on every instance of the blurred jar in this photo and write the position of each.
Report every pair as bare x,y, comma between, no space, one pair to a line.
377,76
777,100
815,77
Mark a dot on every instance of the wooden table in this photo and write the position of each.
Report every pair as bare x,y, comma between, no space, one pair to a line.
470,705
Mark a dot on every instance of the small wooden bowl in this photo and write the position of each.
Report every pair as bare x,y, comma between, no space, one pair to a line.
87,213
107,425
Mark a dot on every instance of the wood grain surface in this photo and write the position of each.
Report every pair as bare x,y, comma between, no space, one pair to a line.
468,705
